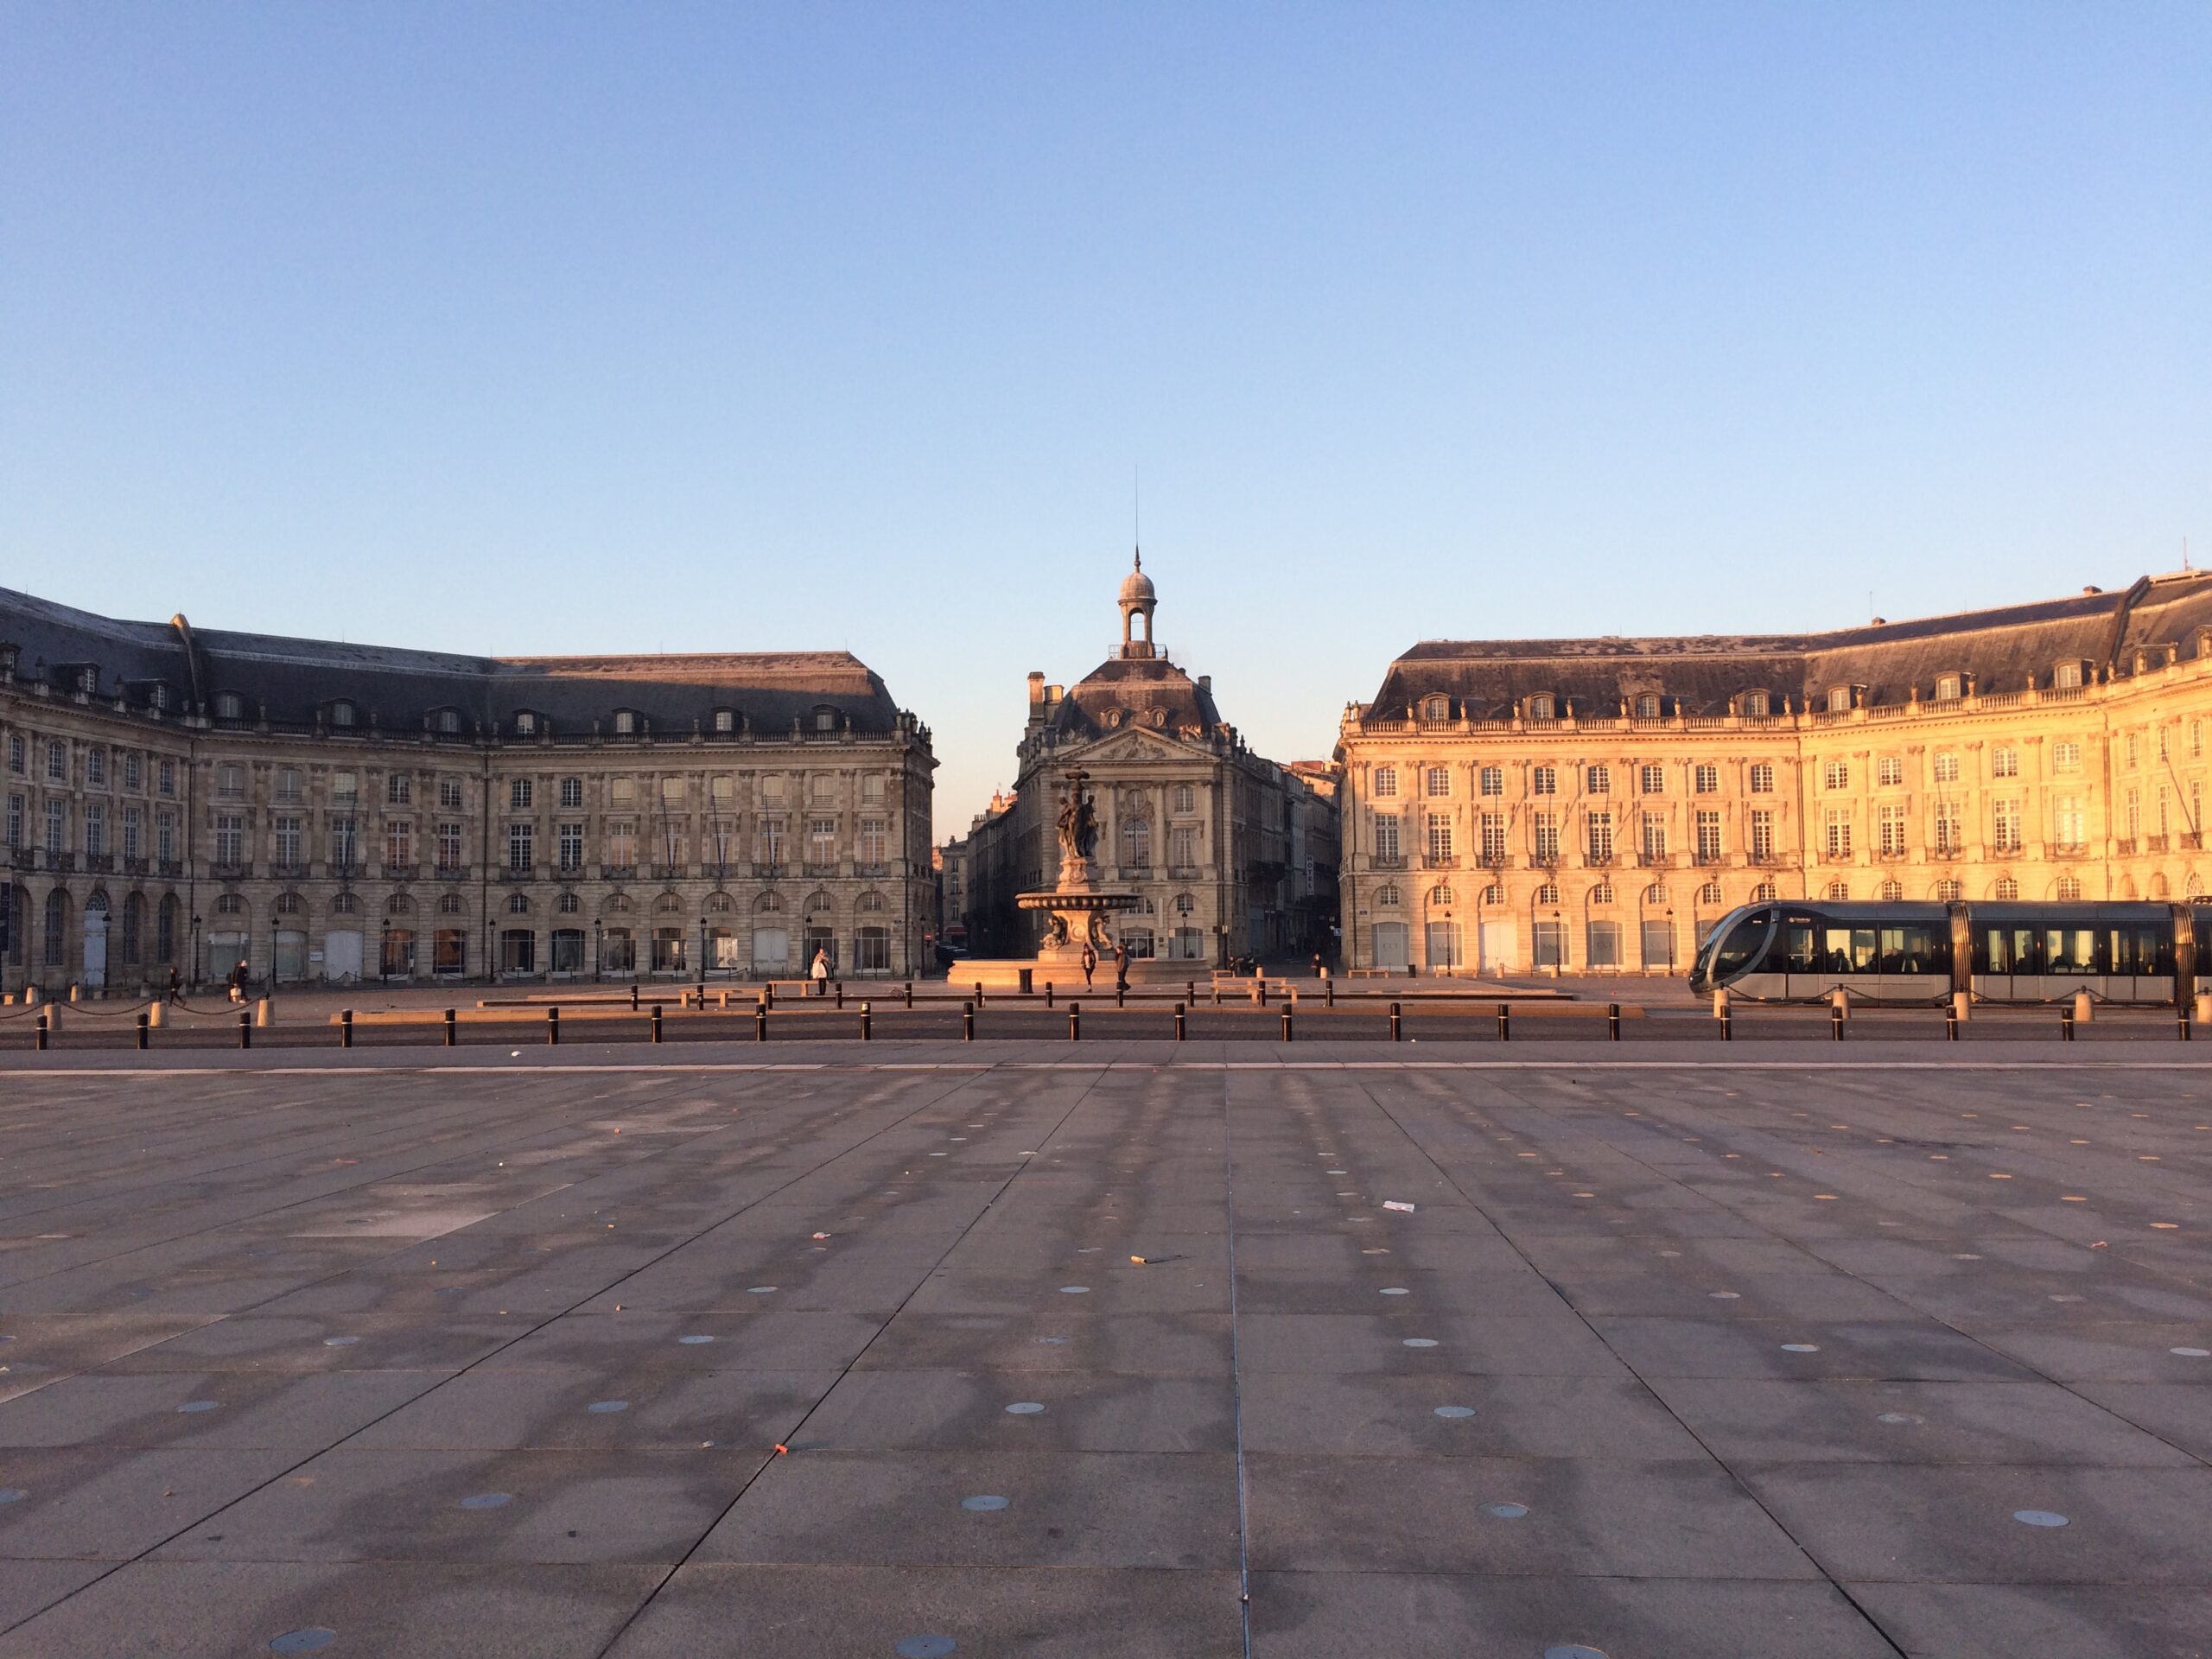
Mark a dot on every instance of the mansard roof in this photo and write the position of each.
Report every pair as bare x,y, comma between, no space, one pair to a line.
1127,691
1888,662
295,680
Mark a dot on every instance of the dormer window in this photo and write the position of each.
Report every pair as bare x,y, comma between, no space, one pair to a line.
157,697
725,721
1436,709
1543,706
1948,687
88,679
525,723
1647,707
2066,676
229,706
341,714
625,722
1839,699
825,719
447,722
1757,704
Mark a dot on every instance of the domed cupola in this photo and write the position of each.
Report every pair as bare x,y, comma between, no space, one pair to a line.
1137,599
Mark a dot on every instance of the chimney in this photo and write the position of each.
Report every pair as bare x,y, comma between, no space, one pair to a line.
1036,687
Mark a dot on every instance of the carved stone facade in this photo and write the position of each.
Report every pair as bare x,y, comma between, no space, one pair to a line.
331,813
1598,803
1216,842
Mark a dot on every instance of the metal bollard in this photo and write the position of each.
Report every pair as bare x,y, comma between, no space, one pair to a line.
1285,1024
1121,995
1396,1031
2066,1024
1835,1021
1178,1022
245,1029
656,1022
1950,1023
865,1033
979,993
1505,1022
761,1021
1727,1023
1329,993
1612,1022
634,999
2182,1016
553,1026
1075,1022
841,994
143,1026
344,1028
41,1033
452,1035
967,1022
768,997
909,993
1048,994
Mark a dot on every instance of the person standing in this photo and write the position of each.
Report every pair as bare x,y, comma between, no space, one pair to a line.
237,984
176,986
820,973
1089,965
1121,968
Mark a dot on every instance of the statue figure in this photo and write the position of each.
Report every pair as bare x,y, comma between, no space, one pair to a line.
1078,824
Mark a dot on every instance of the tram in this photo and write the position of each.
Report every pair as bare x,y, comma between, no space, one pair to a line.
1910,954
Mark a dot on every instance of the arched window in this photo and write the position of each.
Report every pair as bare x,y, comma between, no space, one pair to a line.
1756,704
1838,892
719,904
768,904
1492,894
1839,699
229,904
1893,891
342,713
290,903
667,904
346,905
1602,893
2069,889
1647,707
1440,895
1947,688
57,926
1709,894
618,904
1948,892
625,722
818,904
1436,709
1185,903
446,720
518,904
2007,888
399,905
525,723
568,904
1543,706
1386,895
1765,893
448,904
1547,893
872,902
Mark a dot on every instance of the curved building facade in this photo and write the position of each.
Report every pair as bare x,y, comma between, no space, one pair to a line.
1596,804
176,797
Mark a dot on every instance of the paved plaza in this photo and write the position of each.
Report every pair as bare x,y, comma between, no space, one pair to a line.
1790,1351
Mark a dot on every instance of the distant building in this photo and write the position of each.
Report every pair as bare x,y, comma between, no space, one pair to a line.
1229,852
1597,804
176,797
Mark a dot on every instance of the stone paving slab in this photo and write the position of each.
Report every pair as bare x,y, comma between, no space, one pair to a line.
1773,1350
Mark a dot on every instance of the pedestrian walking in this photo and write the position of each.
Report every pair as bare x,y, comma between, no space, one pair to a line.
177,986
1089,965
1120,967
237,984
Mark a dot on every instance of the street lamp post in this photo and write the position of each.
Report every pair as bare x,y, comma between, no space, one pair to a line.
195,953
598,933
702,960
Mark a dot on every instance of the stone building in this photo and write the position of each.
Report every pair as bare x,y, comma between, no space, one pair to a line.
332,812
1218,842
1598,803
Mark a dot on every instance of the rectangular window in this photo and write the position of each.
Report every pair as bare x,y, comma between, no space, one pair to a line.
230,778
1386,836
1601,837
1186,798
287,840
1440,841
17,753
1655,839
1762,832
1704,777
518,795
2066,758
1651,780
96,768
288,783
622,845
2006,763
1605,945
1889,828
2069,677
2067,821
1543,780
1182,847
230,839
1835,774
398,790
1835,832
874,840
1949,836
449,794
133,772
1548,944
1709,837
1493,781
822,840
57,763
572,793
165,778
16,804
521,847
1437,781
57,826
2004,826
773,832
1599,780
165,837
343,843
400,844
450,856
1493,837
95,830
1889,771
1545,831
1386,783
1761,777
571,846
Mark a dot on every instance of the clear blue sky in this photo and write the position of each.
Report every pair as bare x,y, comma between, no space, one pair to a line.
547,328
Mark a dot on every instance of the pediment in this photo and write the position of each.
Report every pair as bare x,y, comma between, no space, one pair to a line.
1135,745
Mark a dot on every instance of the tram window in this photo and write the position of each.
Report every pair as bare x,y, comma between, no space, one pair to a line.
2139,950
2069,951
1736,949
1847,950
2008,950
1797,946
1908,950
